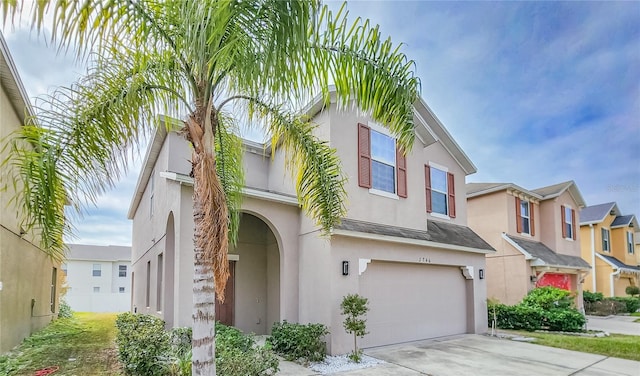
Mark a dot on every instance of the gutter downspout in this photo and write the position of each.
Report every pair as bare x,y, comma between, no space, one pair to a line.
593,256
614,274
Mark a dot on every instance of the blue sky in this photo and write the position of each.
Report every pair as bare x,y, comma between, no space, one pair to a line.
535,93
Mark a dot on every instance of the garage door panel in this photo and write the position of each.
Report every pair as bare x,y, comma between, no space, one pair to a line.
412,301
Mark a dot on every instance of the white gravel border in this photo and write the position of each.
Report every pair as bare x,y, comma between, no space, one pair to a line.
341,363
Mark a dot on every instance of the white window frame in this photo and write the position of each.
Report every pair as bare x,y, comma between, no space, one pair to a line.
602,232
568,220
122,290
528,217
444,169
375,127
96,268
630,245
96,289
120,271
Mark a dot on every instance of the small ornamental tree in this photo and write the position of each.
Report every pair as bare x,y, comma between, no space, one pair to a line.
632,290
354,307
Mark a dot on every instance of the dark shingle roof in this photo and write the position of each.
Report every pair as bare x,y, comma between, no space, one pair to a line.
618,263
622,220
479,187
596,213
545,254
438,232
554,190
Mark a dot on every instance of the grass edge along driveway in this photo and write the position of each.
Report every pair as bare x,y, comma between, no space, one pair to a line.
81,345
615,345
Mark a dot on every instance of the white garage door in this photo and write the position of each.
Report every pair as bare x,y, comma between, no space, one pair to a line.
410,302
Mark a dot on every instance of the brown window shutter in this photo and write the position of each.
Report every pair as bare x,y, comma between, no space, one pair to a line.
518,216
401,172
564,228
451,193
427,184
573,223
364,156
532,221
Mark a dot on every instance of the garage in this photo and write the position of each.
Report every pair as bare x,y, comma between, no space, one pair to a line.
412,301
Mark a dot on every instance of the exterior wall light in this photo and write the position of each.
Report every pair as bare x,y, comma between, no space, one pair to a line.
481,273
345,268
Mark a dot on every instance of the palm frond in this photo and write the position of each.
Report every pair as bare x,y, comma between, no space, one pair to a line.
229,168
315,164
80,141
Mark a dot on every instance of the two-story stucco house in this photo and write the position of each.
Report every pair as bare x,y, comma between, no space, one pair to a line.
98,278
404,243
608,244
535,234
29,279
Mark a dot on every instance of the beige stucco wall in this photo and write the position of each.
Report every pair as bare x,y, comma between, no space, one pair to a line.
307,285
619,244
25,271
551,222
407,212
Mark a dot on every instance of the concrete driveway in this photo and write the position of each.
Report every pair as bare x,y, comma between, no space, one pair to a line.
615,324
480,355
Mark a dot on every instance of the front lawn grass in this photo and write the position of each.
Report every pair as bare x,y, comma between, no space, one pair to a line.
616,345
81,345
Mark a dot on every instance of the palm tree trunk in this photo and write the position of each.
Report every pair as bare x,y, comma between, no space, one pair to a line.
203,329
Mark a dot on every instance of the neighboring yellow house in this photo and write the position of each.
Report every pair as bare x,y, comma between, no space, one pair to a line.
607,242
535,236
29,280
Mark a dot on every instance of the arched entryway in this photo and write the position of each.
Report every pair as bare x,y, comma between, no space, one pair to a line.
255,260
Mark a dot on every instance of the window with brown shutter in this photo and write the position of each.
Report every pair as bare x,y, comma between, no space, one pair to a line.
427,184
518,216
364,156
573,223
532,221
562,221
451,193
401,172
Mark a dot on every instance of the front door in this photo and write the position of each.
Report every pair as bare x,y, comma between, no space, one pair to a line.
225,311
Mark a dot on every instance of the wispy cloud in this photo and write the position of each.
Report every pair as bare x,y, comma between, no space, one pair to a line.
534,92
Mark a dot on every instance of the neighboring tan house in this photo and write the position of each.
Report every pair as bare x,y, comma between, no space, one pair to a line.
608,244
29,279
535,234
404,243
98,278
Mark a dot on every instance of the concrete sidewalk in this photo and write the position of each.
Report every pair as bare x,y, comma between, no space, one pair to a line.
615,324
480,355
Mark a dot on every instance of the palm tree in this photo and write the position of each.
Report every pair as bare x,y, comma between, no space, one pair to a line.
203,62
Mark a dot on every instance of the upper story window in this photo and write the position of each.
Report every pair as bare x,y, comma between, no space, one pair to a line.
122,270
605,240
568,222
525,217
97,270
630,243
440,190
381,165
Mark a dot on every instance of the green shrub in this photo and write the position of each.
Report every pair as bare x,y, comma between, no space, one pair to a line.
564,320
64,310
299,342
237,354
517,317
141,341
591,297
631,305
632,290
548,297
543,308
